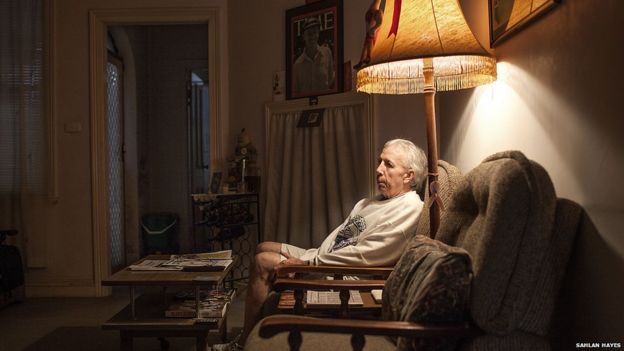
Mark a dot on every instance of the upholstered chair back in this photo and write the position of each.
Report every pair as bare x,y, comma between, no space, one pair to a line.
504,213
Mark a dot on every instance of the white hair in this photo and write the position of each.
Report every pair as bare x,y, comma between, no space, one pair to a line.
415,159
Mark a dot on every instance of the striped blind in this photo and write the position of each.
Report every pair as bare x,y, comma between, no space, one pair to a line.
22,123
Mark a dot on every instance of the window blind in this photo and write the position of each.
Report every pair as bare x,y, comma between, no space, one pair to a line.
22,123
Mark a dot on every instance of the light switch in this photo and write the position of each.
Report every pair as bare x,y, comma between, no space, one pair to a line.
73,127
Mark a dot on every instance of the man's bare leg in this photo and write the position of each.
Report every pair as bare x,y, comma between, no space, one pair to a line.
260,278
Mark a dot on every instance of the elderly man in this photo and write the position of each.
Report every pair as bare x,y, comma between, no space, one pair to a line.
373,235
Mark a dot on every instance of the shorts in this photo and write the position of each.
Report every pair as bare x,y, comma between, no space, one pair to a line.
291,250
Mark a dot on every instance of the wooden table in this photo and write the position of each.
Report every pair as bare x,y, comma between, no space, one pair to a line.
144,316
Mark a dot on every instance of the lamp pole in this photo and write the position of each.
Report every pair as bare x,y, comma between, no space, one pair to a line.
432,148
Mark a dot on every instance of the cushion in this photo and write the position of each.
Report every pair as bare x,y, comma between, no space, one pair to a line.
429,284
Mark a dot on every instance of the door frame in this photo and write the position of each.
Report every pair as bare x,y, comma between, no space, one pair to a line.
99,20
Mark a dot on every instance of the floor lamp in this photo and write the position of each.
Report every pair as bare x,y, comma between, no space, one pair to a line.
422,46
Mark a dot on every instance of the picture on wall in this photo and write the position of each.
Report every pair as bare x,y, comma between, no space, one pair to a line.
509,16
314,49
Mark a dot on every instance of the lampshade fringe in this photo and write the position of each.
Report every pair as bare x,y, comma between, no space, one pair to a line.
406,77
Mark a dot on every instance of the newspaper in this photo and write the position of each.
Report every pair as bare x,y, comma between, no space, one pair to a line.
215,255
331,298
209,261
190,263
153,265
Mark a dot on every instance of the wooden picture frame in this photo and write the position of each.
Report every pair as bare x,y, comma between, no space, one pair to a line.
317,70
509,16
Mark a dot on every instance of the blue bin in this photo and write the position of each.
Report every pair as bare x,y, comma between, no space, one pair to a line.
160,231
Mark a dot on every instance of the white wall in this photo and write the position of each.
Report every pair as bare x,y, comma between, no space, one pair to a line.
557,100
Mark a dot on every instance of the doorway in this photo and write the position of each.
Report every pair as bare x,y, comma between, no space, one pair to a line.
158,130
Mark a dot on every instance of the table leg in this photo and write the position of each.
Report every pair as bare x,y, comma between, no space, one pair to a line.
223,329
125,339
132,307
197,309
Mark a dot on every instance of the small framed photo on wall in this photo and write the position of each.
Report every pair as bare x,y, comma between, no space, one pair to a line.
314,51
509,16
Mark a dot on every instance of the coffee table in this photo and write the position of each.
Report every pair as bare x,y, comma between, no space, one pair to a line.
144,315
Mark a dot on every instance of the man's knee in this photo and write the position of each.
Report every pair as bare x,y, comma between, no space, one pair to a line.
265,262
268,246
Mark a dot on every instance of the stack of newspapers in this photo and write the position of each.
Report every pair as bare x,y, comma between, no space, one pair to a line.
207,261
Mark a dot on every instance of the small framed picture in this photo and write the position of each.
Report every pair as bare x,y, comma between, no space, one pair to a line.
314,51
509,16
215,182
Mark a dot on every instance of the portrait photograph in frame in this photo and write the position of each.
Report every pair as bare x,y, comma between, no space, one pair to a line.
314,49
510,16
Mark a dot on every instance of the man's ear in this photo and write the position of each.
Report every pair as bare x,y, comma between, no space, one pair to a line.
408,176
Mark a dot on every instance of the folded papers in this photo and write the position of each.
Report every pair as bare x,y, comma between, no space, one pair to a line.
208,261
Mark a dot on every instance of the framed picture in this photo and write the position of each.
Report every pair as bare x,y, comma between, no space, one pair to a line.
509,16
314,49
215,183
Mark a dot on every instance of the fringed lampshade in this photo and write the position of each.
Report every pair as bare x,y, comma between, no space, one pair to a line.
420,46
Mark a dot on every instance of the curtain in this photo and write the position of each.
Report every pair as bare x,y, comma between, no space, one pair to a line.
315,174
22,124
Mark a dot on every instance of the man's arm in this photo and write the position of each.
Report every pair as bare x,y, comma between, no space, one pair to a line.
382,247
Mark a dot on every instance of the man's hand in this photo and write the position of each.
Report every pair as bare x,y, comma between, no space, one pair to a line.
291,261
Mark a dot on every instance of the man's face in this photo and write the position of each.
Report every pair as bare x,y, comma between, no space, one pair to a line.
393,177
311,36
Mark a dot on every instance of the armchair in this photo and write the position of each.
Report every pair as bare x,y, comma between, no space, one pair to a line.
505,214
448,180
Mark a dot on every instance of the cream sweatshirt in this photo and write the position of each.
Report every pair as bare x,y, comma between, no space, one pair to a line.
374,234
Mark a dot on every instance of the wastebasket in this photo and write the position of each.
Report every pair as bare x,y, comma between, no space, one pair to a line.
160,232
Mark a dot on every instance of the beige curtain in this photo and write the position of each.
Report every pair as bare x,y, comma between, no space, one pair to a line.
22,124
316,174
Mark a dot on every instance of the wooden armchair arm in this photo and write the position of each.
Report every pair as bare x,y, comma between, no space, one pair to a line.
273,325
329,270
282,284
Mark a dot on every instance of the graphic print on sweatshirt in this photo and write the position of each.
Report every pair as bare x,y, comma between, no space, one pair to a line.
349,233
